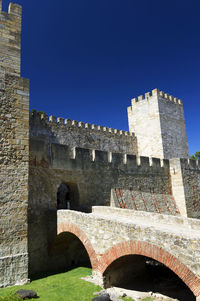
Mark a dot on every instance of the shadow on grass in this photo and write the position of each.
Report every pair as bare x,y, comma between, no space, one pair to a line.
42,275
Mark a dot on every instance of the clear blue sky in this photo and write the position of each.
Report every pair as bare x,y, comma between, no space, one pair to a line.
86,59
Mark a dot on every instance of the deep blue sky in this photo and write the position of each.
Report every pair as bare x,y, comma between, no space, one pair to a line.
86,59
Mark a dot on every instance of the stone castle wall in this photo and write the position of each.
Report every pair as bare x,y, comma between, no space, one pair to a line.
93,173
14,152
79,134
191,183
141,200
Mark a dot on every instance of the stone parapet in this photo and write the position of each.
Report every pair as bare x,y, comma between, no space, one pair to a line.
179,222
155,92
65,157
190,164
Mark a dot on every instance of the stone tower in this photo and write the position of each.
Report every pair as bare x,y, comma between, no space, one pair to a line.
14,151
159,125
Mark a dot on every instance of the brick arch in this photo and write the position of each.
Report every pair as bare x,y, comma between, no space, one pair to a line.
74,229
154,252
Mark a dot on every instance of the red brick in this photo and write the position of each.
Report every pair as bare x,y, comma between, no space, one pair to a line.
155,252
74,229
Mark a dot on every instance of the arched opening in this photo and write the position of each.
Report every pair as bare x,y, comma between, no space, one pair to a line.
67,196
68,252
141,273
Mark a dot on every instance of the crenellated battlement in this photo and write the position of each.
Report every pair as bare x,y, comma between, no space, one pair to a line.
63,156
158,93
131,161
14,12
190,164
10,40
13,9
68,123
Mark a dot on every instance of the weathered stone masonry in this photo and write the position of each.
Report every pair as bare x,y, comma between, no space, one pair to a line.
14,152
99,166
185,178
157,119
95,174
80,134
109,233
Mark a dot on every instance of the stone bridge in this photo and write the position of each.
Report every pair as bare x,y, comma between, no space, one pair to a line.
109,234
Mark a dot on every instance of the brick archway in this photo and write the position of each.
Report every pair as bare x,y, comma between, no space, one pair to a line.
72,228
154,252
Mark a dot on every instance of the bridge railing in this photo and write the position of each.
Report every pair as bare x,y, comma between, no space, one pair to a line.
151,217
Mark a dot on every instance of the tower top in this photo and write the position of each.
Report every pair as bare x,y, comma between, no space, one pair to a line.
10,46
13,9
157,119
158,93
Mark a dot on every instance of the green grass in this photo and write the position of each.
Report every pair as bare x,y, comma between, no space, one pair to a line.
130,299
66,286
61,287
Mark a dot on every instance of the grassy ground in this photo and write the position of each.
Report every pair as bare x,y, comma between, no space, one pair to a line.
61,287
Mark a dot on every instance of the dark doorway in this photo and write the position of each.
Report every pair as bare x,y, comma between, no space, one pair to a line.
63,197
144,274
67,196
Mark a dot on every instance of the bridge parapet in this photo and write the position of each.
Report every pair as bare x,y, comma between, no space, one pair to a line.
161,219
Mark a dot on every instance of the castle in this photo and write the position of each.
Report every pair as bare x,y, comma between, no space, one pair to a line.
49,165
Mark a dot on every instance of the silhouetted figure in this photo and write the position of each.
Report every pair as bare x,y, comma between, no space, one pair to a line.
63,197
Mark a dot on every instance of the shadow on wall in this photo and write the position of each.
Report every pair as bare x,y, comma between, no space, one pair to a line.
67,252
144,274
42,228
